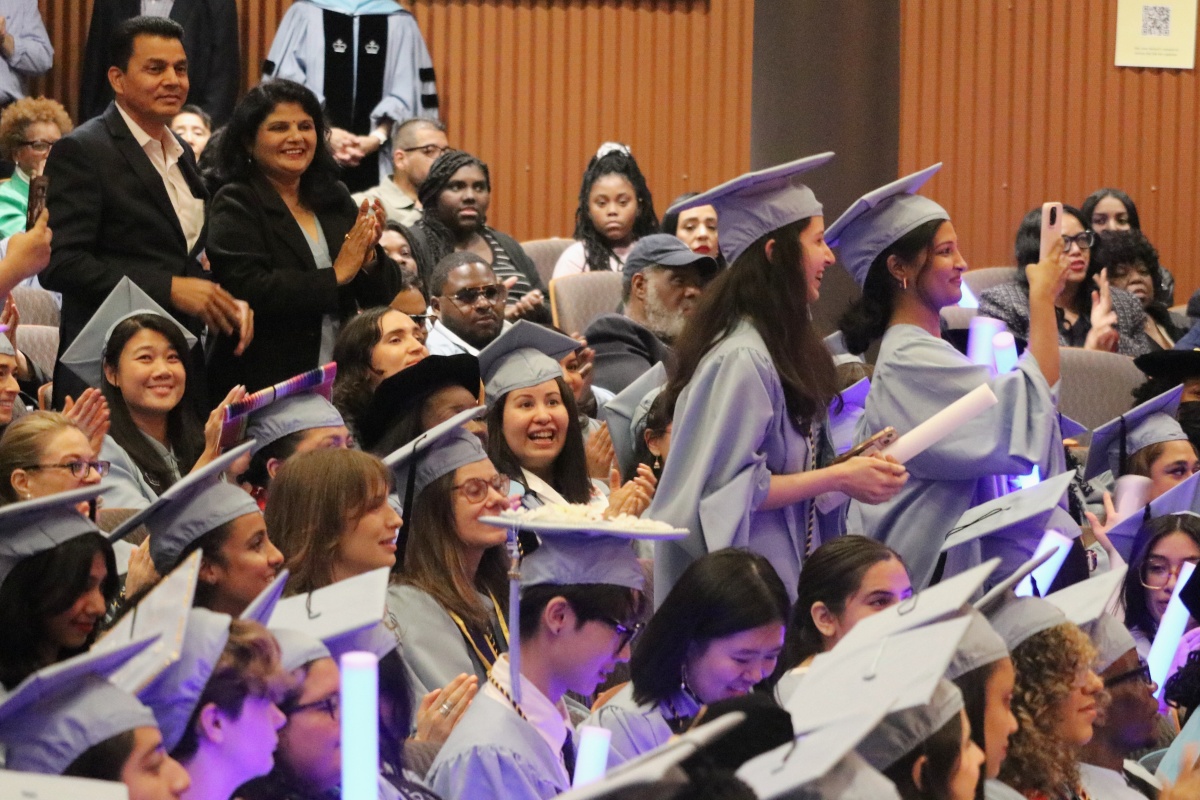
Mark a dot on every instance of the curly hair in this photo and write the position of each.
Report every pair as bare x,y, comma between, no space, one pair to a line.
1047,665
439,239
596,249
25,112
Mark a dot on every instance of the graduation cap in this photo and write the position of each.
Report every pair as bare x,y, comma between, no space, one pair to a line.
263,606
881,217
1150,423
1172,365
1111,639
85,355
197,503
403,393
890,674
35,526
308,626
1002,590
173,695
1016,619
843,419
901,732
938,602
1021,517
32,786
525,355
981,645
6,348
60,712
568,554
1084,602
1071,429
300,403
752,205
626,413
1181,498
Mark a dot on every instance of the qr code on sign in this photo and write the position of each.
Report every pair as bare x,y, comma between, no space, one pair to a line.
1156,20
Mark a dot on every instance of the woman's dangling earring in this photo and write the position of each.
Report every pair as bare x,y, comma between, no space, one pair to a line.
904,283
657,463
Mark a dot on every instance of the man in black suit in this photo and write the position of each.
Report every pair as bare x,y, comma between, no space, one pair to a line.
126,199
210,39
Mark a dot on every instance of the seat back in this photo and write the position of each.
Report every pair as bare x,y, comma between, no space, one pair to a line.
545,254
40,343
36,306
979,280
1096,386
576,300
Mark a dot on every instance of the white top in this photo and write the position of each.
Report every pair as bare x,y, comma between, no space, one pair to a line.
444,342
552,720
164,154
573,261
1106,784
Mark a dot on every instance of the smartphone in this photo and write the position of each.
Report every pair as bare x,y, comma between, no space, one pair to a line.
1189,595
877,442
1051,226
37,200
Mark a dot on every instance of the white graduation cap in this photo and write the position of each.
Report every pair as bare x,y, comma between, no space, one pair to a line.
1071,429
263,606
1085,601
754,204
1182,498
1021,517
1150,423
980,645
86,353
31,527
881,217
32,786
196,504
440,450
58,713
629,407
332,612
1111,639
934,604
300,403
901,732
525,355
1016,619
867,678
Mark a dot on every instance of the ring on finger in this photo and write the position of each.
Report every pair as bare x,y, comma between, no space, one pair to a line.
445,708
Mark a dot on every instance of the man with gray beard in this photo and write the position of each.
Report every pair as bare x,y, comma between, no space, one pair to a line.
662,282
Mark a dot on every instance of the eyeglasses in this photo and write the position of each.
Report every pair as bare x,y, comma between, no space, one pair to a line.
625,633
476,489
38,145
331,705
427,150
493,293
1141,674
1084,240
78,469
422,321
1157,573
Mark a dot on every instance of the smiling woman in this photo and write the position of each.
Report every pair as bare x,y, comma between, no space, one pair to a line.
285,235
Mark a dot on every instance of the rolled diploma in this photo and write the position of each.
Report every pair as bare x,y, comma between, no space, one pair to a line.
360,726
927,434
1004,346
1170,632
981,338
1130,491
1048,571
592,759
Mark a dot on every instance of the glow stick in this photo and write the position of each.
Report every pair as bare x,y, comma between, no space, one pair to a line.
514,613
1170,631
1130,494
980,338
592,759
1032,479
360,726
1004,347
1045,574
942,424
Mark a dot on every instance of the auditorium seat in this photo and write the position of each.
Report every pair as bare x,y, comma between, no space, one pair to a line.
36,306
38,342
1096,386
576,300
979,280
545,253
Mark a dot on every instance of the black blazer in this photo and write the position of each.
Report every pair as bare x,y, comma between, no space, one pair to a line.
112,218
210,39
260,254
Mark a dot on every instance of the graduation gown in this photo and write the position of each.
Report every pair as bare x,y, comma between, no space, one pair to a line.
852,778
637,729
731,433
299,50
493,753
434,648
917,375
125,483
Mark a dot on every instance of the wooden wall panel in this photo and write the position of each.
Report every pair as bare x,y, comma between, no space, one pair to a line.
534,86
1022,102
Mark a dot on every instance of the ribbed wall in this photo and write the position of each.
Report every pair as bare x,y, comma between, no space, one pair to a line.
534,86
1022,102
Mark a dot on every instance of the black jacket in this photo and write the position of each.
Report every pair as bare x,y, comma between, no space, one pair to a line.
112,218
624,350
260,254
210,39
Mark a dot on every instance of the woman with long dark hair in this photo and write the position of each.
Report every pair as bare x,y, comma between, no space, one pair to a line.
1167,543
717,635
372,347
1106,210
749,452
285,235
903,251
